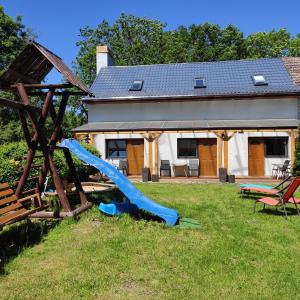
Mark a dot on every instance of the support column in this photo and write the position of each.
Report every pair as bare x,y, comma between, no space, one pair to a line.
150,152
220,149
293,146
226,153
156,154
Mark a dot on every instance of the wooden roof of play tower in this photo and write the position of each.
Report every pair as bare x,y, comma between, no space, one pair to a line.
33,64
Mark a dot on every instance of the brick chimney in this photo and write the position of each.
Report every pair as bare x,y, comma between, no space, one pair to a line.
103,57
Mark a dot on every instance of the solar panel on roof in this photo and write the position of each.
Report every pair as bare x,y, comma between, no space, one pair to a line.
199,83
137,85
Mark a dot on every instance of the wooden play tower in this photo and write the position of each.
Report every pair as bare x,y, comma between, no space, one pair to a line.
24,78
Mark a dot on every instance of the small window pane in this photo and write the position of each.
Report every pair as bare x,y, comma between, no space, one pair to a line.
186,148
136,85
276,147
259,80
199,83
116,149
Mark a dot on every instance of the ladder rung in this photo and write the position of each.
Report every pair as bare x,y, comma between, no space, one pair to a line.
32,191
28,179
36,156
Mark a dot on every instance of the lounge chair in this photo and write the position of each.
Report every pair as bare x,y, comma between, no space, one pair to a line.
287,196
265,189
194,167
13,209
165,166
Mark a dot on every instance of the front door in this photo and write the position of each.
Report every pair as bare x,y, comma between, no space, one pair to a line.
256,156
207,152
135,156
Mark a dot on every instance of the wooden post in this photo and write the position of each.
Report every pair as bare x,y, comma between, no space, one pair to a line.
220,149
156,154
59,186
226,153
150,154
75,178
293,146
92,141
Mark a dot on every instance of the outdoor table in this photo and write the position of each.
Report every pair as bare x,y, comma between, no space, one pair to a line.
181,170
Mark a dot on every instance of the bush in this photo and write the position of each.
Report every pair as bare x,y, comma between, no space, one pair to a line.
296,166
11,162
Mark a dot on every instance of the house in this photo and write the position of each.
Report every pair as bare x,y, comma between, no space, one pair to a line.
241,115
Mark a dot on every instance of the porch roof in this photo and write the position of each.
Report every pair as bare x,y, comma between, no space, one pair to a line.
188,125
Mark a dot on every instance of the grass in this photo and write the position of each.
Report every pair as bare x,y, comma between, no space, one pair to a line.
234,255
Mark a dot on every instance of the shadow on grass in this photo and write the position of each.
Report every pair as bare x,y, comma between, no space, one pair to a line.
18,237
277,212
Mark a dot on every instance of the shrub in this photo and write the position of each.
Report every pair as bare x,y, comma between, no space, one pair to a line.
296,166
11,162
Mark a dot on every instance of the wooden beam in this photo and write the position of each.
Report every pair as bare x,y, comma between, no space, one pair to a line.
150,153
156,144
236,130
226,153
92,140
293,146
45,86
17,105
75,93
220,149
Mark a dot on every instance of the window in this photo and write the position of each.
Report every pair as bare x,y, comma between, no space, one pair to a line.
116,149
137,85
276,147
199,83
187,148
259,80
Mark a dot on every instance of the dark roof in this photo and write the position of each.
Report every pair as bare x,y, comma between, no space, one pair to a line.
185,125
33,64
222,78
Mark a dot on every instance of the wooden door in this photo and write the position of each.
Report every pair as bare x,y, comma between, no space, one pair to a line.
135,156
207,153
256,156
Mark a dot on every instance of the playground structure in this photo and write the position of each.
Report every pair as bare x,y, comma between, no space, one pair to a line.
23,78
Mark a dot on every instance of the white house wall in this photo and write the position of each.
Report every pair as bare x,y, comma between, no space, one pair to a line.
203,110
238,153
237,149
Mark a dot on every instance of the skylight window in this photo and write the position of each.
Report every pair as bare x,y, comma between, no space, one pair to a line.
137,85
259,80
199,83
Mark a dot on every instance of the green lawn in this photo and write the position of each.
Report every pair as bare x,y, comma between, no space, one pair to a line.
235,254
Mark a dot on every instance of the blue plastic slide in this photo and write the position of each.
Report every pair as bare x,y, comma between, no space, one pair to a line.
260,186
125,186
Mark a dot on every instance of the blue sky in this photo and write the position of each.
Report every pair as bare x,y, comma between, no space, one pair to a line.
57,23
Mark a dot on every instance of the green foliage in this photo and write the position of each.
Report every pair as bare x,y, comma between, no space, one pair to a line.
11,161
296,166
268,44
135,41
13,38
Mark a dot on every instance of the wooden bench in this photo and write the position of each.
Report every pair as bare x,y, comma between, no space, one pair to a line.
13,209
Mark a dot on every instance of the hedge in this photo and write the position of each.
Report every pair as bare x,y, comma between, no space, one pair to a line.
11,161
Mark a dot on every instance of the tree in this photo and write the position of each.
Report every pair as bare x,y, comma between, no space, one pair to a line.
133,41
294,48
13,38
268,44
